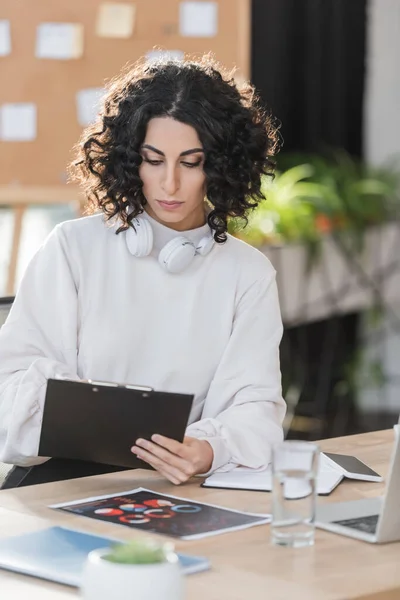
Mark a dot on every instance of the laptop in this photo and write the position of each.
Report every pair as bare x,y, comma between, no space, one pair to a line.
374,520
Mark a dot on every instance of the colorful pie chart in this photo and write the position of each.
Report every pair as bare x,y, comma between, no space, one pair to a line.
136,508
159,513
186,508
155,503
134,519
108,512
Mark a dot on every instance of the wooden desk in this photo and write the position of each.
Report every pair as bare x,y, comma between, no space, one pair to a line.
244,564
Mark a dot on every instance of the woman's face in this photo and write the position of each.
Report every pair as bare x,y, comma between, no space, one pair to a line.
174,182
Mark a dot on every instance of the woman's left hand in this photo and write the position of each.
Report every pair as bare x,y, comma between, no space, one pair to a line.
176,461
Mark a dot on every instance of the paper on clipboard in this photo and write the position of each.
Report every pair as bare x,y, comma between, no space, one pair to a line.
59,41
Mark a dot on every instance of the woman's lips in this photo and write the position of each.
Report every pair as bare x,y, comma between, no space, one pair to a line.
169,205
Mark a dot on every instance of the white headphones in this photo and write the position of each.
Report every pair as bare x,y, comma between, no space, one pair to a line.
175,256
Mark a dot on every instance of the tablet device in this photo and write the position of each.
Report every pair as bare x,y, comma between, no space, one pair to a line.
100,421
352,467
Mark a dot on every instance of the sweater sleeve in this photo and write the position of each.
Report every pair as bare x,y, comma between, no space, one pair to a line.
244,409
37,342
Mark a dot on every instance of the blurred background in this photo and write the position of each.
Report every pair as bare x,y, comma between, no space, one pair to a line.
330,221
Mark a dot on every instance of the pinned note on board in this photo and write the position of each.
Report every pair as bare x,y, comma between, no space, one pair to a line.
88,105
198,19
116,19
154,55
59,41
18,122
5,38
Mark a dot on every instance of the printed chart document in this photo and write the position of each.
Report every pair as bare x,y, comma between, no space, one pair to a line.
18,122
59,41
5,38
198,19
149,511
115,19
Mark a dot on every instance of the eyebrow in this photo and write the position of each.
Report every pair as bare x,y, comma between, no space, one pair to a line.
185,153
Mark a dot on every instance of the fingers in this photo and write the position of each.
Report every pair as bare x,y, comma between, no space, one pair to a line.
162,460
170,445
169,457
161,454
175,477
171,473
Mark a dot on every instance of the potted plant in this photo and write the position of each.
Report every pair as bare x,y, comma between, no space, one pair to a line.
139,570
328,223
313,196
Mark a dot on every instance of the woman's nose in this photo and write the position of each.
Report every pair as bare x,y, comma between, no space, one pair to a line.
170,182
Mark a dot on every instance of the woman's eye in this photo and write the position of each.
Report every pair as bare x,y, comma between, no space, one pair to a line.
156,162
191,165
152,162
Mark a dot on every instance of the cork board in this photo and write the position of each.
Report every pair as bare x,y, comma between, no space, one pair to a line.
52,84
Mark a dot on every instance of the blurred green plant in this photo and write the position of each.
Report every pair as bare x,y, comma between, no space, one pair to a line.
138,552
312,196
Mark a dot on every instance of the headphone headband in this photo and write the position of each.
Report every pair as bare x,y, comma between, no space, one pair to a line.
175,256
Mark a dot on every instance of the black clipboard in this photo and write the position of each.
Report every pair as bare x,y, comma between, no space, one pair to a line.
100,422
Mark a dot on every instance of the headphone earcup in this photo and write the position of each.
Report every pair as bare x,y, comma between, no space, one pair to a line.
205,245
140,237
177,255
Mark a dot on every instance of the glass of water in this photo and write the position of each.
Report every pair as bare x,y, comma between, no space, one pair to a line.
294,475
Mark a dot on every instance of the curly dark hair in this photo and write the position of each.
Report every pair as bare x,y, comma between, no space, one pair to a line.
239,138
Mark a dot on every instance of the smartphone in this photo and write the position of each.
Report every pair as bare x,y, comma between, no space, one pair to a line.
352,467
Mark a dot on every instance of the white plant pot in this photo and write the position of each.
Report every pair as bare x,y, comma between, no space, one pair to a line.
105,580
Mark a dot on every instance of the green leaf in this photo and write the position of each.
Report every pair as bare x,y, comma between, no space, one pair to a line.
138,553
351,195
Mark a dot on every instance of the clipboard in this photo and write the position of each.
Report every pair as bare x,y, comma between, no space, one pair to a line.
100,422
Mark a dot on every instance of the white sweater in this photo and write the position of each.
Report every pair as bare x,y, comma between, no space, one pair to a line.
88,309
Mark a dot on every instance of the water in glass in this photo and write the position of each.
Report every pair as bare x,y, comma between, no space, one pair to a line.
294,494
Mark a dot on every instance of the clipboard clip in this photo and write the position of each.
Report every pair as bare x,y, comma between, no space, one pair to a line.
139,388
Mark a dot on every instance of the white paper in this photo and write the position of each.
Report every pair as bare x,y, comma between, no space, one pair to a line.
155,55
115,19
59,41
242,478
198,19
88,104
5,38
18,122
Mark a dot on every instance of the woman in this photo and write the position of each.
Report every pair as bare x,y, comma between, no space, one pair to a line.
151,290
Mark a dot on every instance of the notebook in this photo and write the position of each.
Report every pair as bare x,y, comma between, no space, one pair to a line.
59,554
332,469
243,478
